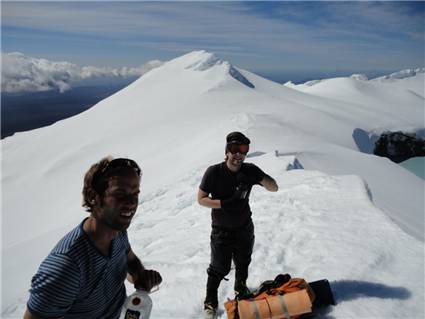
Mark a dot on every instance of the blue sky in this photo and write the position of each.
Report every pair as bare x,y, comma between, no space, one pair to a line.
264,37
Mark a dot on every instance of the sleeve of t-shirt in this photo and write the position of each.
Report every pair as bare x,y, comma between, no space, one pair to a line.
207,181
55,287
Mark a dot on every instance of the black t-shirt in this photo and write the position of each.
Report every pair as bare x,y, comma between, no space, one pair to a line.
221,183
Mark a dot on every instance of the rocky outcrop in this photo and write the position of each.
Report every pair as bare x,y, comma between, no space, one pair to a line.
399,146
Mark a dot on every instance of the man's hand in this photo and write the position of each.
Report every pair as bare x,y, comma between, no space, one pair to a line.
137,274
147,279
242,178
233,203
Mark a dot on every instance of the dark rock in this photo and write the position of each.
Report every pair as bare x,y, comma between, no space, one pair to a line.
399,146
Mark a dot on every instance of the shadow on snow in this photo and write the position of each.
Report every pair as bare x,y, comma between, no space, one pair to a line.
352,289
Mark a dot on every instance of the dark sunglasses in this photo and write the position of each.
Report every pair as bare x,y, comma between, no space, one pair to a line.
116,163
238,148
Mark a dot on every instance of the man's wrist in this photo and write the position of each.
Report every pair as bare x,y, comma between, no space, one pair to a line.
135,269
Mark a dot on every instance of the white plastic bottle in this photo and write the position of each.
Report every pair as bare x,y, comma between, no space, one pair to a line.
137,306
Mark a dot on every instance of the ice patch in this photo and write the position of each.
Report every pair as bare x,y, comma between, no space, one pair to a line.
365,141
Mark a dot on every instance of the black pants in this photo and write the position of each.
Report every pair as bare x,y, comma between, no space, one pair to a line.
227,244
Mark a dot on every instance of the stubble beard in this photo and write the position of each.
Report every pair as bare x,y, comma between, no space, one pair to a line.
111,219
236,163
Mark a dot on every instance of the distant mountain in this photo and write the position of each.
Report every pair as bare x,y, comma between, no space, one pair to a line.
412,79
400,75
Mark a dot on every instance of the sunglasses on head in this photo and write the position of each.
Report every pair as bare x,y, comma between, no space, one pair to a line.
122,163
115,164
238,148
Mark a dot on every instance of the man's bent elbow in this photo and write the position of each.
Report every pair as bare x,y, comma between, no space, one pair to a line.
272,187
202,198
202,201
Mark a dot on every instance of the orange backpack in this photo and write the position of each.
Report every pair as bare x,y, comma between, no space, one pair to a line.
288,301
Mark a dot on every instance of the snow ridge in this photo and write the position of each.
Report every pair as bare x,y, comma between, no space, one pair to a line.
203,61
403,74
400,74
313,82
359,77
238,76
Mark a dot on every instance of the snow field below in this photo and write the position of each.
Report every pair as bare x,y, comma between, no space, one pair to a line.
316,226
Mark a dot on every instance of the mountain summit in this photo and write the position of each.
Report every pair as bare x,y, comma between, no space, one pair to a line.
201,66
205,61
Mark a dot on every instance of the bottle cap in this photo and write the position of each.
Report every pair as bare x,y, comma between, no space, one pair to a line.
136,301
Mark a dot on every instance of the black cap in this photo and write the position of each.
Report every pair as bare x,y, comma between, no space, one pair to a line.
237,138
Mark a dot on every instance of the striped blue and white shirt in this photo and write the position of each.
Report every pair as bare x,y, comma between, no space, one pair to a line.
77,281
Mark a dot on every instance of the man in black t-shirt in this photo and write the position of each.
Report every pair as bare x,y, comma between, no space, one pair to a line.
225,188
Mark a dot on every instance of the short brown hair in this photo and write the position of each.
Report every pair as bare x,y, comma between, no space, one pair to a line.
88,189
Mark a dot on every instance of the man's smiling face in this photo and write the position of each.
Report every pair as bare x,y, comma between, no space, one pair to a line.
119,202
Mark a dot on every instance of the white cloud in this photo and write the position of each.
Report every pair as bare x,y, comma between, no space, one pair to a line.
21,73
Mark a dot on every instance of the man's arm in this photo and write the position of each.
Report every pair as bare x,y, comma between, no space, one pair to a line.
141,277
29,315
53,289
205,200
135,266
269,183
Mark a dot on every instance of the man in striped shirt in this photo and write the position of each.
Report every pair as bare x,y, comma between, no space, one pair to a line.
83,276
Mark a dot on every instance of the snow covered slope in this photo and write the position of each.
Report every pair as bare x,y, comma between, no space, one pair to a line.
389,104
348,216
412,80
